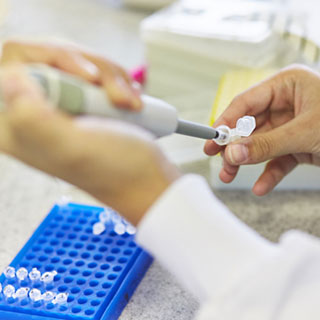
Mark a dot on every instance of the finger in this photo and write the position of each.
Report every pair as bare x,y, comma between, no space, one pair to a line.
16,85
228,172
251,102
274,172
17,90
25,52
296,136
117,83
74,63
32,122
211,148
262,125
124,74
72,60
106,66
67,59
273,94
122,94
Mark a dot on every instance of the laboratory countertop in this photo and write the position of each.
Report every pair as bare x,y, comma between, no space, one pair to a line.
26,195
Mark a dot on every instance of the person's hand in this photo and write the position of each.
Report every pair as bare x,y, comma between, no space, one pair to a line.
118,164
91,67
287,111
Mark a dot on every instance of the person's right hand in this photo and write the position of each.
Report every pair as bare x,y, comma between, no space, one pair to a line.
89,66
287,111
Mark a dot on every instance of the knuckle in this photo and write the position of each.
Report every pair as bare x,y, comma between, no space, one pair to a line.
10,45
296,67
237,99
296,70
60,56
314,145
9,51
243,99
275,175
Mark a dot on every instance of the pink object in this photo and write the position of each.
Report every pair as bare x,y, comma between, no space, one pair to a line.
140,74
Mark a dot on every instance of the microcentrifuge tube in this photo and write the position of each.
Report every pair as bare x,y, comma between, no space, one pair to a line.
130,229
64,199
61,298
35,295
244,128
48,296
48,277
116,218
9,272
98,228
34,275
22,274
22,293
105,216
120,229
9,291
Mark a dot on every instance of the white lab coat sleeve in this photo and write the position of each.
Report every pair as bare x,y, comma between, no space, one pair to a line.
196,237
234,273
285,286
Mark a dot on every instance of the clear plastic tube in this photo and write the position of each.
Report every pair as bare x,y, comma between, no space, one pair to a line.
244,128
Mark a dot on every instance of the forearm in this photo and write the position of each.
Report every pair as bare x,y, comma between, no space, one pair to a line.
134,201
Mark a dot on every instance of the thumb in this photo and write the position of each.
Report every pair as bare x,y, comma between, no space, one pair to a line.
17,87
19,97
30,121
286,139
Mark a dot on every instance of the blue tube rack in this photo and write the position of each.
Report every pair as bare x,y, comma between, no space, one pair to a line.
100,273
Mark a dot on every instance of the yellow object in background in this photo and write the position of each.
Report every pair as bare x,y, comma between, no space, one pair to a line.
232,84
3,10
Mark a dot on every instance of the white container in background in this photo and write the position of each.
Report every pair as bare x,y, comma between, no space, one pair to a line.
189,46
192,43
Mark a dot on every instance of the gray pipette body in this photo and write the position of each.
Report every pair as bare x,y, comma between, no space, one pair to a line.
76,96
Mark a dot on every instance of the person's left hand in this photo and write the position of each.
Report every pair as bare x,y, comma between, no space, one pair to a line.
117,163
89,66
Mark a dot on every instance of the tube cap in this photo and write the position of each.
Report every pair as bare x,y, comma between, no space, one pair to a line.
245,126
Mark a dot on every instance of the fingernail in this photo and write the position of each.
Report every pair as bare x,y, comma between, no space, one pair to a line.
85,65
91,69
237,153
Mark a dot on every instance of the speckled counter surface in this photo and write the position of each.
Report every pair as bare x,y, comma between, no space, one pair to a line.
27,195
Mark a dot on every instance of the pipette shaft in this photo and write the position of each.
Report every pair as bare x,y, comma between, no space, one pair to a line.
197,130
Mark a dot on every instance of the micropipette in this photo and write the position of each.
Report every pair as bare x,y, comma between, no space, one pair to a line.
77,97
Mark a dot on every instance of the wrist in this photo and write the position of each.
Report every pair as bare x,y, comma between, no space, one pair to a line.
135,188
142,197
